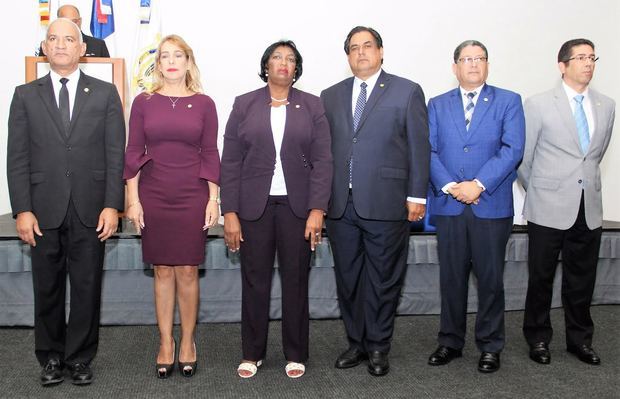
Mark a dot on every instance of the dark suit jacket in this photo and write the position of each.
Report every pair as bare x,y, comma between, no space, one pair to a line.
390,148
489,151
94,47
46,168
249,155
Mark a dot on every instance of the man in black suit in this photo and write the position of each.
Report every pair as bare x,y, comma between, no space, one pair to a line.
64,163
94,47
381,154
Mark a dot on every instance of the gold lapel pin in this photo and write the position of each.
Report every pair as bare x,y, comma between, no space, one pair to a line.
381,85
189,105
486,99
86,90
297,106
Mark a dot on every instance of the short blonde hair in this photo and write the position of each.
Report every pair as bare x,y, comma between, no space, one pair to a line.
192,78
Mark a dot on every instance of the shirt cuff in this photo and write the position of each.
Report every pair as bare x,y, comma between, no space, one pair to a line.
417,200
447,186
480,184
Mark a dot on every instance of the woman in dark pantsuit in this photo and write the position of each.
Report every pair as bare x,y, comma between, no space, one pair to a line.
275,186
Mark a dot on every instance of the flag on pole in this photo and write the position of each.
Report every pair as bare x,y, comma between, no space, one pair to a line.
102,19
44,20
147,39
44,12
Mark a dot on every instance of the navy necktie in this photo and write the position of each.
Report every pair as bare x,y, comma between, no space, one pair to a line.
357,116
359,106
63,105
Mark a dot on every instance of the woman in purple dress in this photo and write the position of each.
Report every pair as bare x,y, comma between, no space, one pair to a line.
172,169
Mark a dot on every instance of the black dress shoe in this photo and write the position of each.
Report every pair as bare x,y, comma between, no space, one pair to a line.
585,353
350,358
52,373
378,363
443,355
489,362
539,352
81,374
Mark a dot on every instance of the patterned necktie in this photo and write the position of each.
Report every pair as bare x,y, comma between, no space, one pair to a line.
582,124
63,104
469,108
357,115
359,106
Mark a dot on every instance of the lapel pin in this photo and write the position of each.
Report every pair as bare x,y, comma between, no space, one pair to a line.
86,90
297,106
189,105
381,85
486,99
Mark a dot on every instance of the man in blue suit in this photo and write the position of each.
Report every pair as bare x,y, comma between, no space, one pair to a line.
381,154
477,135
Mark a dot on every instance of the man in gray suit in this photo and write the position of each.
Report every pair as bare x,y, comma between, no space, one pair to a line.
64,163
567,132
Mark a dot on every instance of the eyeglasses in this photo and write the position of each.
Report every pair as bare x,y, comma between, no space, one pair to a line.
475,60
584,58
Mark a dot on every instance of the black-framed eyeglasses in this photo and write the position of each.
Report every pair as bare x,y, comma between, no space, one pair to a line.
584,58
475,60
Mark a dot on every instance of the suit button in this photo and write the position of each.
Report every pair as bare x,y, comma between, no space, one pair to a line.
579,181
465,149
67,173
354,139
68,148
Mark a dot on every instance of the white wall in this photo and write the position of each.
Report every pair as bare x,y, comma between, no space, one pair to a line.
523,38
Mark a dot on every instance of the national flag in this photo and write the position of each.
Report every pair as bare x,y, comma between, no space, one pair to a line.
147,39
102,19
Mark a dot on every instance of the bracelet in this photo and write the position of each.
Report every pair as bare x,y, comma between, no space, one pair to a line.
132,204
216,199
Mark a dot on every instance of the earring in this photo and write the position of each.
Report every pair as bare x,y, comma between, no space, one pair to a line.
266,74
294,79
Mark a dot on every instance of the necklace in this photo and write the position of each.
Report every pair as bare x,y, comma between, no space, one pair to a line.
173,102
279,100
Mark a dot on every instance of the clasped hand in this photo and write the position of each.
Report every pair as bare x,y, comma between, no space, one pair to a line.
467,192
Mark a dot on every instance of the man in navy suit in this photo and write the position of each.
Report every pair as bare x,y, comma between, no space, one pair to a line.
477,135
381,156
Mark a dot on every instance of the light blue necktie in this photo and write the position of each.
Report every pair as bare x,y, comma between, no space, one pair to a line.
357,115
582,124
469,108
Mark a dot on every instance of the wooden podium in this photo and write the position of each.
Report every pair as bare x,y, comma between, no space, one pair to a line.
108,69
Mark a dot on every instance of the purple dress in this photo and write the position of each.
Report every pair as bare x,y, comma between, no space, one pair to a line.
175,151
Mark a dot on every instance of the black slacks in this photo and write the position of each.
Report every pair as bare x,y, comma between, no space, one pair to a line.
464,242
370,259
579,247
72,248
277,230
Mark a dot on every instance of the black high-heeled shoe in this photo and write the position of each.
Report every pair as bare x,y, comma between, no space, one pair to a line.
165,370
188,369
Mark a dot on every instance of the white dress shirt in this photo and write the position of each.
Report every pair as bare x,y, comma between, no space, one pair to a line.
278,122
586,103
71,88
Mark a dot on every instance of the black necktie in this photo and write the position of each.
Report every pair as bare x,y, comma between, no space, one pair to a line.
63,104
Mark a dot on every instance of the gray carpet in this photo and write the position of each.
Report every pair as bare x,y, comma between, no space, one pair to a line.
124,367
